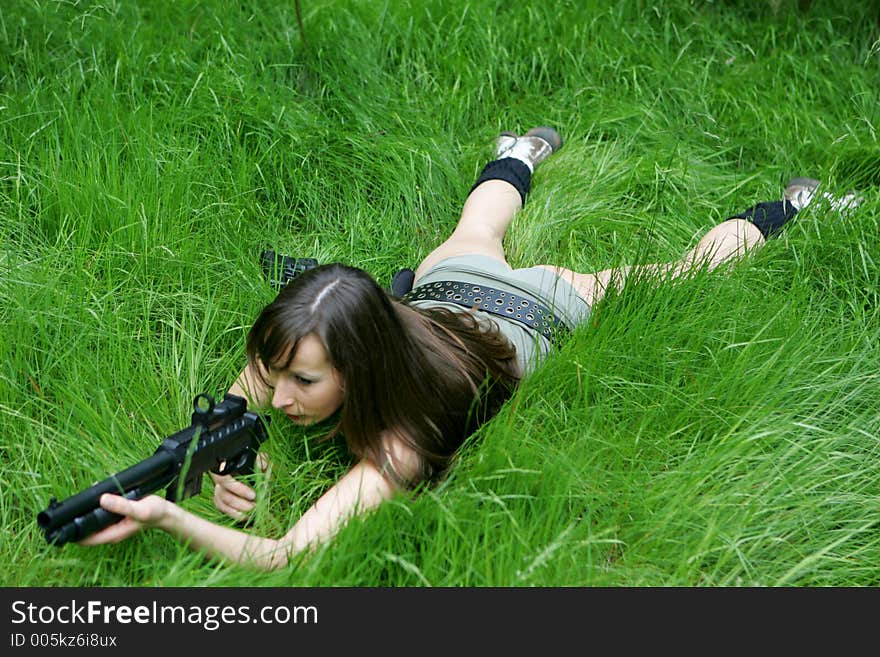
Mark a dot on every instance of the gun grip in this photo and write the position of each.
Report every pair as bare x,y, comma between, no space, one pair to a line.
191,487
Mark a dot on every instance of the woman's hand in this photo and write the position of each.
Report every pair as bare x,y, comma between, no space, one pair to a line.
234,498
139,514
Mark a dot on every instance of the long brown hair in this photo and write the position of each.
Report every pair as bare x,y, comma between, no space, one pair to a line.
430,376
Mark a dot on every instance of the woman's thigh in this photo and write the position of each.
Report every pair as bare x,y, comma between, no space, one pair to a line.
463,246
590,287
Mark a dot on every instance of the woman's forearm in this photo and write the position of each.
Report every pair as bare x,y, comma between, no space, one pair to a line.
360,489
225,543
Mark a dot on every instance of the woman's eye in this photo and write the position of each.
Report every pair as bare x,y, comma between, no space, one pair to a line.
304,381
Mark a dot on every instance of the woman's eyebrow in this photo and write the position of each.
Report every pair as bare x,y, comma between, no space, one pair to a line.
306,374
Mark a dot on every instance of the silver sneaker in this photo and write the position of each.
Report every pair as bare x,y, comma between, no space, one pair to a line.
800,192
531,148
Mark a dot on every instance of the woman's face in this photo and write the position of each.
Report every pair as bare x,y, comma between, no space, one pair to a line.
309,390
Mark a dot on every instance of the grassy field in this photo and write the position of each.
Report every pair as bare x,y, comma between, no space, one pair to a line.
723,431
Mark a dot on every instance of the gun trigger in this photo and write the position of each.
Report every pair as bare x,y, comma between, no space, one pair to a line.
243,460
239,463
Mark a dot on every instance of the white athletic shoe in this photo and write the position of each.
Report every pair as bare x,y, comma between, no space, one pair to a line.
531,148
800,192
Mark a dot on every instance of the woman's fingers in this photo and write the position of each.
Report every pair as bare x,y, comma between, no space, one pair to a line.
148,510
232,497
227,502
235,498
230,489
234,507
264,463
137,514
114,533
118,504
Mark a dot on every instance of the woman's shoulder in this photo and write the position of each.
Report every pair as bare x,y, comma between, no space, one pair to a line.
401,461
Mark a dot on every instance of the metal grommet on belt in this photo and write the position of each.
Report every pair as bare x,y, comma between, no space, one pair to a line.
497,302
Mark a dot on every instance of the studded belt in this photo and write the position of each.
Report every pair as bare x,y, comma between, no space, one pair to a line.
497,302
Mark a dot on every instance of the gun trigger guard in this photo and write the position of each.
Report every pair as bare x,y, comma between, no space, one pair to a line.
233,465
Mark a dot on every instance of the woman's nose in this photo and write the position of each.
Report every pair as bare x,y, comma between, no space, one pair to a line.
283,394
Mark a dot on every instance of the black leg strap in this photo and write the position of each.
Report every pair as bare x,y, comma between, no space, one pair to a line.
510,170
769,217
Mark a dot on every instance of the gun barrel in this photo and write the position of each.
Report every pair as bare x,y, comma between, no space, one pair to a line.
88,523
151,473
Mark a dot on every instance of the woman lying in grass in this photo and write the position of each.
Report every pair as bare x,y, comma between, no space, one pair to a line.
408,379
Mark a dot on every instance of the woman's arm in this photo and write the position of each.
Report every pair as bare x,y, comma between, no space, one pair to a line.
251,386
360,489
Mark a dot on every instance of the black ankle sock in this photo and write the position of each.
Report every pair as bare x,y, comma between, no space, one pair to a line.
510,170
769,217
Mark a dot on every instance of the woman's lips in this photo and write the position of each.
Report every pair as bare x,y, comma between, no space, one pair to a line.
295,418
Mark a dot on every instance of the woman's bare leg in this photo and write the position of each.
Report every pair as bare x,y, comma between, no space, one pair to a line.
497,196
484,221
727,241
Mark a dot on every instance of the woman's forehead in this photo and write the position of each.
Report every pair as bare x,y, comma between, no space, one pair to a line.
307,353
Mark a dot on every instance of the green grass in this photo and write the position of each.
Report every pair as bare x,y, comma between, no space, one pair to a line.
724,431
